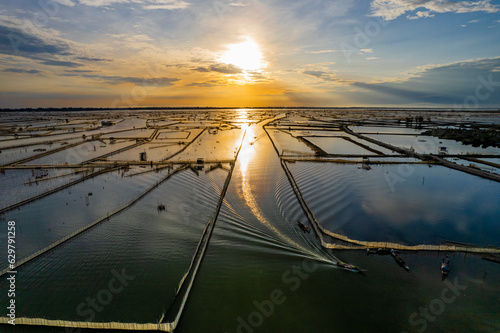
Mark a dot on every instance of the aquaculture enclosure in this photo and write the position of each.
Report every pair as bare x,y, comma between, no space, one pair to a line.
233,207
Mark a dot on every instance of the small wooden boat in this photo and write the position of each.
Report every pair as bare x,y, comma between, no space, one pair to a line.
304,227
445,265
349,267
400,261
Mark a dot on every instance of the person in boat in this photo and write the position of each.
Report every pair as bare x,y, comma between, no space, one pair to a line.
445,265
343,264
347,266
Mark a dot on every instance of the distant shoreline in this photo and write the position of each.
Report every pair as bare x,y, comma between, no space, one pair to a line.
402,109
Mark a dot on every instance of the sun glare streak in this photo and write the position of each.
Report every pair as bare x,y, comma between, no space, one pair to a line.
247,149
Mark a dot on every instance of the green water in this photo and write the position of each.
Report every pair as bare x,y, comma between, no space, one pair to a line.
261,272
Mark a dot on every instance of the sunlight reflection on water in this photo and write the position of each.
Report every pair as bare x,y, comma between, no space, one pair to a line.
247,153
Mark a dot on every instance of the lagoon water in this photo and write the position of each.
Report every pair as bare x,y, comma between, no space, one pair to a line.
261,272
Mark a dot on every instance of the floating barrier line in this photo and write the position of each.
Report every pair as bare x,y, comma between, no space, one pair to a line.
107,164
86,132
303,204
88,325
473,159
185,147
427,157
319,151
299,196
114,152
75,172
154,135
181,283
378,152
46,153
165,145
364,244
361,245
293,159
24,145
195,263
57,189
88,226
472,171
200,250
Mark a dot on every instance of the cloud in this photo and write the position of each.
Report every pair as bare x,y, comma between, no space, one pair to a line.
50,62
201,69
326,76
258,77
207,84
21,70
167,4
392,9
372,58
69,3
13,41
367,50
238,4
146,4
225,69
91,59
78,71
220,68
321,51
420,14
315,73
444,84
101,3
143,81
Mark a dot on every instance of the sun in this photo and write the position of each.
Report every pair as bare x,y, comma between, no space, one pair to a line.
245,55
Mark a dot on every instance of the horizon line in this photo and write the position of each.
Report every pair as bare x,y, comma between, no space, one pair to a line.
392,108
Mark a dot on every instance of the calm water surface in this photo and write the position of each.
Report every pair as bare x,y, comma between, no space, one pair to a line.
259,256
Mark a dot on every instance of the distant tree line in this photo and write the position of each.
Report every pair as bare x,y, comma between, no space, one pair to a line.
396,109
484,136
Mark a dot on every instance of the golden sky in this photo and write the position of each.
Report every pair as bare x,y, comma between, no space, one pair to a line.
223,53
